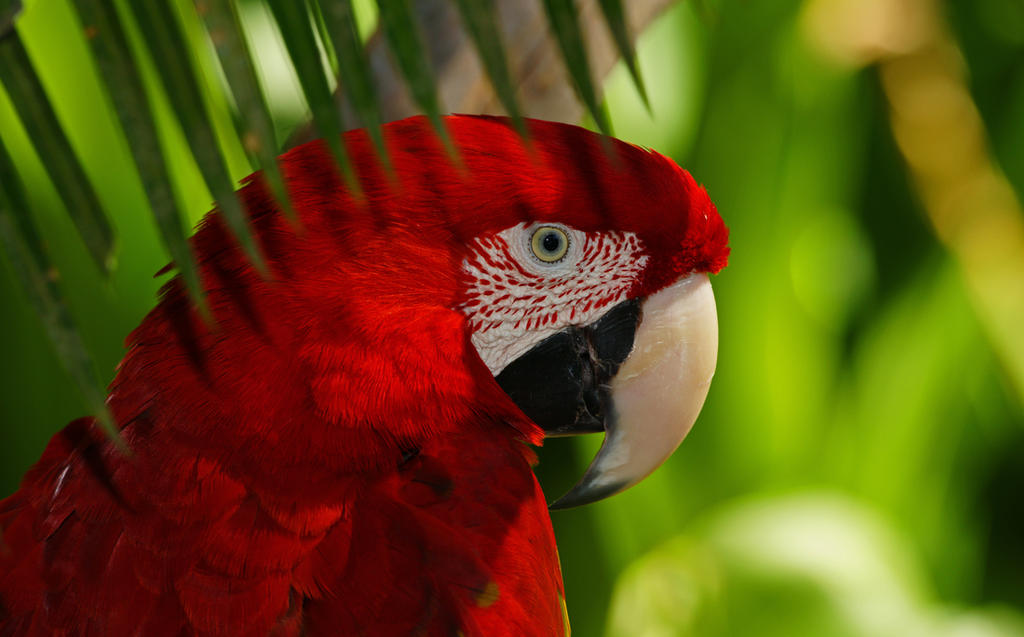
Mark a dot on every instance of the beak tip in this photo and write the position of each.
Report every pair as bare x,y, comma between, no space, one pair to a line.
587,492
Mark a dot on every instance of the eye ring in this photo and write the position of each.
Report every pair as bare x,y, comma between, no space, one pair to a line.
549,244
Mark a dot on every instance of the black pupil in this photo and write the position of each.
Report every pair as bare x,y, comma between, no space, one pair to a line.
551,242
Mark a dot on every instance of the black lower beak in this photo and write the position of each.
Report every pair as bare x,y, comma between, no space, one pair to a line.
640,374
562,383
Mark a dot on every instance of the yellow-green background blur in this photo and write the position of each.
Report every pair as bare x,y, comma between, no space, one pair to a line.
858,469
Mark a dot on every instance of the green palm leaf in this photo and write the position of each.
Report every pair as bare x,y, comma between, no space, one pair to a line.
353,71
566,27
399,27
122,70
24,248
257,125
300,39
163,33
37,115
481,23
124,85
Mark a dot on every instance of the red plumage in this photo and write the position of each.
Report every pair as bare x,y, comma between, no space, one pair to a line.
333,457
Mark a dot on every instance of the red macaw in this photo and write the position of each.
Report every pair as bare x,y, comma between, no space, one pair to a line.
345,450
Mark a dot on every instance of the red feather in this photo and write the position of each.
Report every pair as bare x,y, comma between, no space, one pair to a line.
333,457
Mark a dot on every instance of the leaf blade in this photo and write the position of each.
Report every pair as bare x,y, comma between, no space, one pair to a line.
178,74
109,46
406,43
225,28
33,269
9,10
565,25
59,159
481,23
615,18
354,70
300,40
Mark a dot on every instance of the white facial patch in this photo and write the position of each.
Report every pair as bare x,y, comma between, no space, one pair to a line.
515,299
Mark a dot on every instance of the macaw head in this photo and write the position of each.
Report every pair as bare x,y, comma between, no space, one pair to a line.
588,298
563,282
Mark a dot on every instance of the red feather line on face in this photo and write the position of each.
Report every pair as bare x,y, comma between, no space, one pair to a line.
514,300
333,454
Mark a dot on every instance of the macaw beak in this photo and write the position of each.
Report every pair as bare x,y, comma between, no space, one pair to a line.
640,373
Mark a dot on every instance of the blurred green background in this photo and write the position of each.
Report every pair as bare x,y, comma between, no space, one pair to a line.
858,469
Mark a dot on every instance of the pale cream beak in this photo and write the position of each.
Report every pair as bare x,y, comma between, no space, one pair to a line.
657,392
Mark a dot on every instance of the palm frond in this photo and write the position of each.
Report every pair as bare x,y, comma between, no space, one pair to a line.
308,29
27,254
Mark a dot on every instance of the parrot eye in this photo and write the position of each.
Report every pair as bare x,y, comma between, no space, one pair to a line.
549,243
